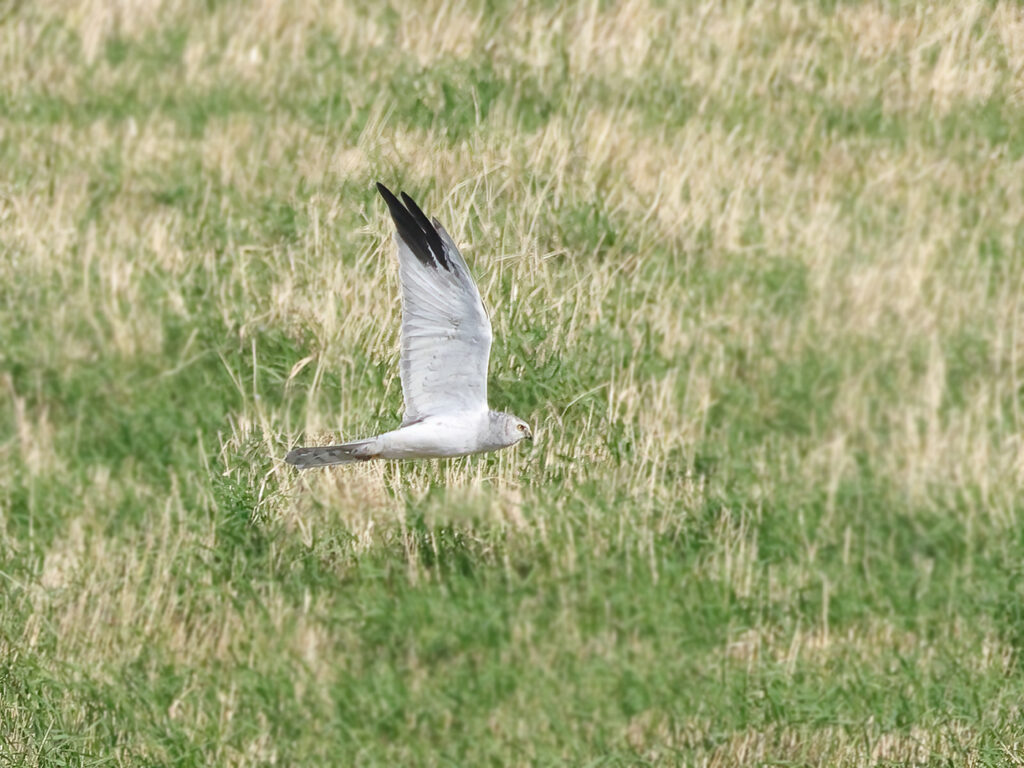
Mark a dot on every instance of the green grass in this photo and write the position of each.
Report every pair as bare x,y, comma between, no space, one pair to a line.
755,277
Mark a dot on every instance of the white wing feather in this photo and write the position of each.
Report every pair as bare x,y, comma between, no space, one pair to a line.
446,334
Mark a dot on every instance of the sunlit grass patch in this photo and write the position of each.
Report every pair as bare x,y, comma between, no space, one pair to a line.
754,273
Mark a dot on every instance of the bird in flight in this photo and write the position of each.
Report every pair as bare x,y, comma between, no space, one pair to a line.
446,343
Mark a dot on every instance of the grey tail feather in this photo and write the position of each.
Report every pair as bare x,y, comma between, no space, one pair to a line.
326,455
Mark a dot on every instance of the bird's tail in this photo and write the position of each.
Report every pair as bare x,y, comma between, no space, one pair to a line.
324,456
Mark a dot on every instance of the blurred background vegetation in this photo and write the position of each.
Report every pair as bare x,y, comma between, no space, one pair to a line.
755,273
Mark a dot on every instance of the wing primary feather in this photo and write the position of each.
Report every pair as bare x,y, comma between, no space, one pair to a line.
436,244
415,230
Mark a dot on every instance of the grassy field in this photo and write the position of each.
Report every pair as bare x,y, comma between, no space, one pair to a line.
756,276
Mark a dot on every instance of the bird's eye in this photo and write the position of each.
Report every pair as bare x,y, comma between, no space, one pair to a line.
520,427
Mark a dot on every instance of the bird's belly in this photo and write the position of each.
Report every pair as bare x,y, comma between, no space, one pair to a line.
427,440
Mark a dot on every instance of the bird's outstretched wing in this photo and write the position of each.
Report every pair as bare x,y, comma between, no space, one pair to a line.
446,335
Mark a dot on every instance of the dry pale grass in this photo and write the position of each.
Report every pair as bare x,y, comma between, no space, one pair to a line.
735,257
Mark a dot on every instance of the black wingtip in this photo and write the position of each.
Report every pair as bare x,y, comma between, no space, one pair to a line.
394,206
415,229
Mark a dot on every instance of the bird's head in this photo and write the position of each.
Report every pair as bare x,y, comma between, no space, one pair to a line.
514,429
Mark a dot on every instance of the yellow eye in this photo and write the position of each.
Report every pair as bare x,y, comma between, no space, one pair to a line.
521,427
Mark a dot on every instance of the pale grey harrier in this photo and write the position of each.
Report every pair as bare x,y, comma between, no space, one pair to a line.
446,342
